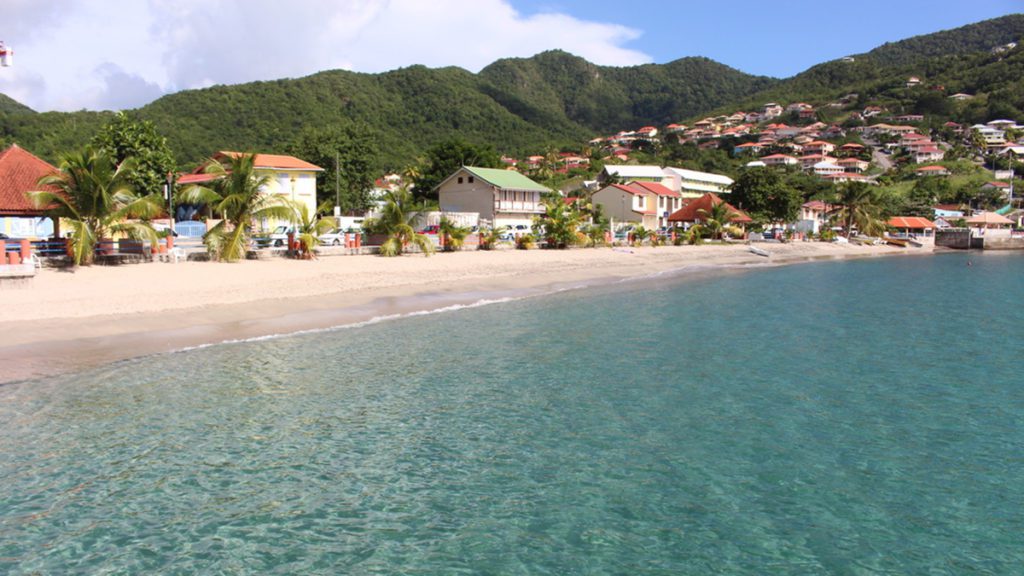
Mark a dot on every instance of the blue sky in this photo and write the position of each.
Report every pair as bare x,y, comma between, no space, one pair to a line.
113,54
780,38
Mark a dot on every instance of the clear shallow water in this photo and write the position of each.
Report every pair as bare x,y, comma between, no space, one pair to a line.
863,417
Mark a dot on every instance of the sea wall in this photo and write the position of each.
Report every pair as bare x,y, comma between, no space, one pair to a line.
958,239
1006,243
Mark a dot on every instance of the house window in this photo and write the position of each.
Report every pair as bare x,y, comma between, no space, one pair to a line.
472,179
460,179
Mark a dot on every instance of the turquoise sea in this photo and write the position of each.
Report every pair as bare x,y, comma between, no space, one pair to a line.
862,417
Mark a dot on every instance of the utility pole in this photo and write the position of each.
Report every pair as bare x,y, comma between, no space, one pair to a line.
337,186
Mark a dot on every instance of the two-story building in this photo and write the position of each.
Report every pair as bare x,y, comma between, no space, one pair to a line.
502,197
288,177
628,203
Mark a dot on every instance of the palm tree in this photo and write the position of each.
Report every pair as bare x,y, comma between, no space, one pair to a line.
238,195
311,227
395,221
93,196
490,238
559,224
640,234
454,235
717,219
859,205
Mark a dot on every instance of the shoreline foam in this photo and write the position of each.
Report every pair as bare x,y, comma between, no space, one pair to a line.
68,336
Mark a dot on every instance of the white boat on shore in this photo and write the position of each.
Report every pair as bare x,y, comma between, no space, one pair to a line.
759,251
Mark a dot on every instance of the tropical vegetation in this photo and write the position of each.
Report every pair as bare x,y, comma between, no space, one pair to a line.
395,222
94,196
236,195
453,235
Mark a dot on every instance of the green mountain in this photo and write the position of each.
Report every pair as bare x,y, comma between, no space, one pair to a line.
9,105
517,105
553,88
527,104
959,60
977,37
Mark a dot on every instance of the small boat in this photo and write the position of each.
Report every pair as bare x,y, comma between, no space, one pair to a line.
758,251
897,242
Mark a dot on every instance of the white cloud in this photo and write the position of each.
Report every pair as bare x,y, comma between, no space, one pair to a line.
113,54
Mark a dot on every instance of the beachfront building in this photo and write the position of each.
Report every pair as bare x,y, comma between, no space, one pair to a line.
501,197
908,226
696,210
19,172
814,216
666,201
628,203
290,178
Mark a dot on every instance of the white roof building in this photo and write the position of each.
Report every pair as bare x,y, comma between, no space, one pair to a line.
693,184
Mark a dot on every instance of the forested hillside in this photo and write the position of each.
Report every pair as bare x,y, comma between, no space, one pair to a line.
524,105
515,105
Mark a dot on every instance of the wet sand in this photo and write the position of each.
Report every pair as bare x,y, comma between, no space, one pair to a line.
65,321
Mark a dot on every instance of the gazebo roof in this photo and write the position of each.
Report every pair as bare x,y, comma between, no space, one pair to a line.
986,218
19,172
690,211
911,222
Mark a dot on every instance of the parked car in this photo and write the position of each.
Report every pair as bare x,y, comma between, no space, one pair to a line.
432,229
336,237
511,232
277,238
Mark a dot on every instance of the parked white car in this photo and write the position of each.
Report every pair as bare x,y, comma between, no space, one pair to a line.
336,237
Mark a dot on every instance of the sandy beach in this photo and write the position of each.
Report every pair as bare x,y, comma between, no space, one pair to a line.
63,321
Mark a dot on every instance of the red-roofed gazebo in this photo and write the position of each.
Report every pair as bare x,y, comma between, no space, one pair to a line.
19,172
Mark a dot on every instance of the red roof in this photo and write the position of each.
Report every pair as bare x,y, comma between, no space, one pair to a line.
273,161
19,172
932,169
911,222
656,188
631,191
998,184
690,211
194,178
851,145
817,205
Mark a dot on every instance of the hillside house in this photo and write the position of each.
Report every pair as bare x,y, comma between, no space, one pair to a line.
855,165
819,147
932,171
826,168
779,160
928,154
